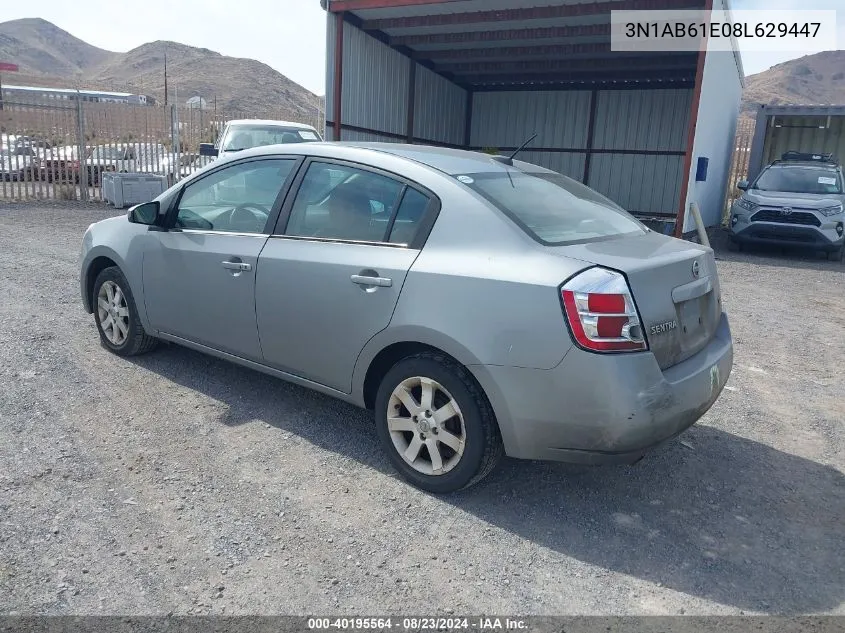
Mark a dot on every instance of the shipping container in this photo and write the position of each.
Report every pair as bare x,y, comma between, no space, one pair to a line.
811,129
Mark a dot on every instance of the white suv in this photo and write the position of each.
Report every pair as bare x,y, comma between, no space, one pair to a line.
796,201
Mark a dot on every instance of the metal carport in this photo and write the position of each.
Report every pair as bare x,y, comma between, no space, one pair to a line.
488,74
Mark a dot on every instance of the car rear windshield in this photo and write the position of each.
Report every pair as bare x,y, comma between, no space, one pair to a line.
248,136
799,179
552,208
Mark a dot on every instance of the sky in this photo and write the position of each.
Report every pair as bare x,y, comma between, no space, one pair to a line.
757,62
288,35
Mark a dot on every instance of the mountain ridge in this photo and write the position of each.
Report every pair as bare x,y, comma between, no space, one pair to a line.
817,79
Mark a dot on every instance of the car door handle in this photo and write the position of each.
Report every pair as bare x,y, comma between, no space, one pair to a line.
237,266
363,280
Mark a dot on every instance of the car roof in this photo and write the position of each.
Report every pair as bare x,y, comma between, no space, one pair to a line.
445,159
270,122
804,163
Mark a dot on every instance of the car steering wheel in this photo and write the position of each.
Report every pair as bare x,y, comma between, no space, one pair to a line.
249,217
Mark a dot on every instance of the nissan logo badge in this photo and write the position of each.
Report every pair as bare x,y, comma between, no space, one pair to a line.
696,269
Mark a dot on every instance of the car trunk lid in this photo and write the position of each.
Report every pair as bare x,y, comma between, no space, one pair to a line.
674,284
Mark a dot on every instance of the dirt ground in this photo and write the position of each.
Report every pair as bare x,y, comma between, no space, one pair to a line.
174,482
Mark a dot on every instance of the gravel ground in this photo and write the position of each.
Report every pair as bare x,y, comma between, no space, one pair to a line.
178,483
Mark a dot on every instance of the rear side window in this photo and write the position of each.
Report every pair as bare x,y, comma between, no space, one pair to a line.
552,208
409,217
340,202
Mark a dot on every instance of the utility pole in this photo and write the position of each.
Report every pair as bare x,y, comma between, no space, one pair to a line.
165,74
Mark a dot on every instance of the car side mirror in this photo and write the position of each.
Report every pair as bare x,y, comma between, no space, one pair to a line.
742,185
146,213
208,149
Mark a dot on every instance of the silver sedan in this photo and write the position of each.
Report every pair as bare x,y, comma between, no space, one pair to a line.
479,305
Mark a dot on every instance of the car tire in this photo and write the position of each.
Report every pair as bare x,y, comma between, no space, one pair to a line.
474,446
836,255
117,318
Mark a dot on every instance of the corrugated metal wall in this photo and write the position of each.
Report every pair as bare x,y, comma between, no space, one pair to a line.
375,93
804,134
567,163
375,83
644,120
368,137
439,110
508,119
628,120
638,183
560,120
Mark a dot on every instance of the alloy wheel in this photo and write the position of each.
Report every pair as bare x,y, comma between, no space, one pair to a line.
426,425
113,313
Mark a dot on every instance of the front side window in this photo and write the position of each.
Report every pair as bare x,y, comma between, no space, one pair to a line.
552,208
344,203
241,137
236,199
799,179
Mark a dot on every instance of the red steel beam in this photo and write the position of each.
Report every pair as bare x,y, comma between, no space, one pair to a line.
580,76
338,76
548,50
528,13
622,64
338,6
583,30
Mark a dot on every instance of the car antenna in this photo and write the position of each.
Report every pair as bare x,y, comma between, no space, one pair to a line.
508,160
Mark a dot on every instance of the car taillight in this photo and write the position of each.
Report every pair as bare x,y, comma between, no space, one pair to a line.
601,312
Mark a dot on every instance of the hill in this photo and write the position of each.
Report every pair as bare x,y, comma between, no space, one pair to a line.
813,79
40,47
49,56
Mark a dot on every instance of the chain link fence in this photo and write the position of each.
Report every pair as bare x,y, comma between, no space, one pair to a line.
739,164
59,151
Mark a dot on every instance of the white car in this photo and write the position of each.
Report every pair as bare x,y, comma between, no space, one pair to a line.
242,134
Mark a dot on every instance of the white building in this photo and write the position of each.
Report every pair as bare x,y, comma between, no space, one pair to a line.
196,102
39,93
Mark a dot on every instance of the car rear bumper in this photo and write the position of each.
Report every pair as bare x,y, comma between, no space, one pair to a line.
788,235
602,408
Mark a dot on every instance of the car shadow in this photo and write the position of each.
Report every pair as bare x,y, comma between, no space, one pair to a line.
712,515
782,257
